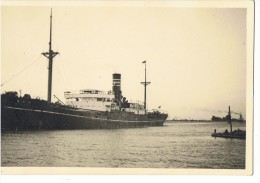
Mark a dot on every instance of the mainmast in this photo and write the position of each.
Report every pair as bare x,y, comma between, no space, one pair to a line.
50,55
145,84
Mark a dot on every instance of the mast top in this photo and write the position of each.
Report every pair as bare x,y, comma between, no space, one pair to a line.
50,30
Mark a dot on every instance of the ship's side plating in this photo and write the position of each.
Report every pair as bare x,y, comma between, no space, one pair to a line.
34,114
86,109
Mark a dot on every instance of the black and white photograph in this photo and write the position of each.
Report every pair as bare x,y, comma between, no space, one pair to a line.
141,87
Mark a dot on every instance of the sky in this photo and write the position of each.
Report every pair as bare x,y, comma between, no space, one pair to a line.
196,57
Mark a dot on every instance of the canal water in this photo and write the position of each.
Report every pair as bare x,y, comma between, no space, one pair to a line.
175,145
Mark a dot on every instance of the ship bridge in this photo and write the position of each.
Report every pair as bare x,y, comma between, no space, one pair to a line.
90,99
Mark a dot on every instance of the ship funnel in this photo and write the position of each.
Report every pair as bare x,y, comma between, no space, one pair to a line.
116,86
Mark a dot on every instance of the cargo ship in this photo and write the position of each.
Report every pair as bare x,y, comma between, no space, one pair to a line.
240,119
84,109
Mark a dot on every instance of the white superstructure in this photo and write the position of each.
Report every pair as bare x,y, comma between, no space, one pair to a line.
90,99
100,101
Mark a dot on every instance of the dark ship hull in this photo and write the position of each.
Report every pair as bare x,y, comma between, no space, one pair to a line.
40,115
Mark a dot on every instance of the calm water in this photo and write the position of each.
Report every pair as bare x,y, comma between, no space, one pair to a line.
175,145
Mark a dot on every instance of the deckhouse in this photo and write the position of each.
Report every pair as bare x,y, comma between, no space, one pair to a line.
90,99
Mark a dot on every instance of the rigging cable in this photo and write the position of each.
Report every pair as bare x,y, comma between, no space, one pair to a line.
59,79
21,71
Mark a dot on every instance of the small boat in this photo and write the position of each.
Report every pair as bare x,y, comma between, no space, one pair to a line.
237,134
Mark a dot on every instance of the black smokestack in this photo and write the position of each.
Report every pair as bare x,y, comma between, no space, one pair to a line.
116,86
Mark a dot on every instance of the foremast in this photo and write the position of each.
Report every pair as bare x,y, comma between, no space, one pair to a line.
50,55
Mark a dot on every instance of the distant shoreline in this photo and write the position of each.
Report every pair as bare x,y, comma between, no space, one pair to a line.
197,121
186,120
